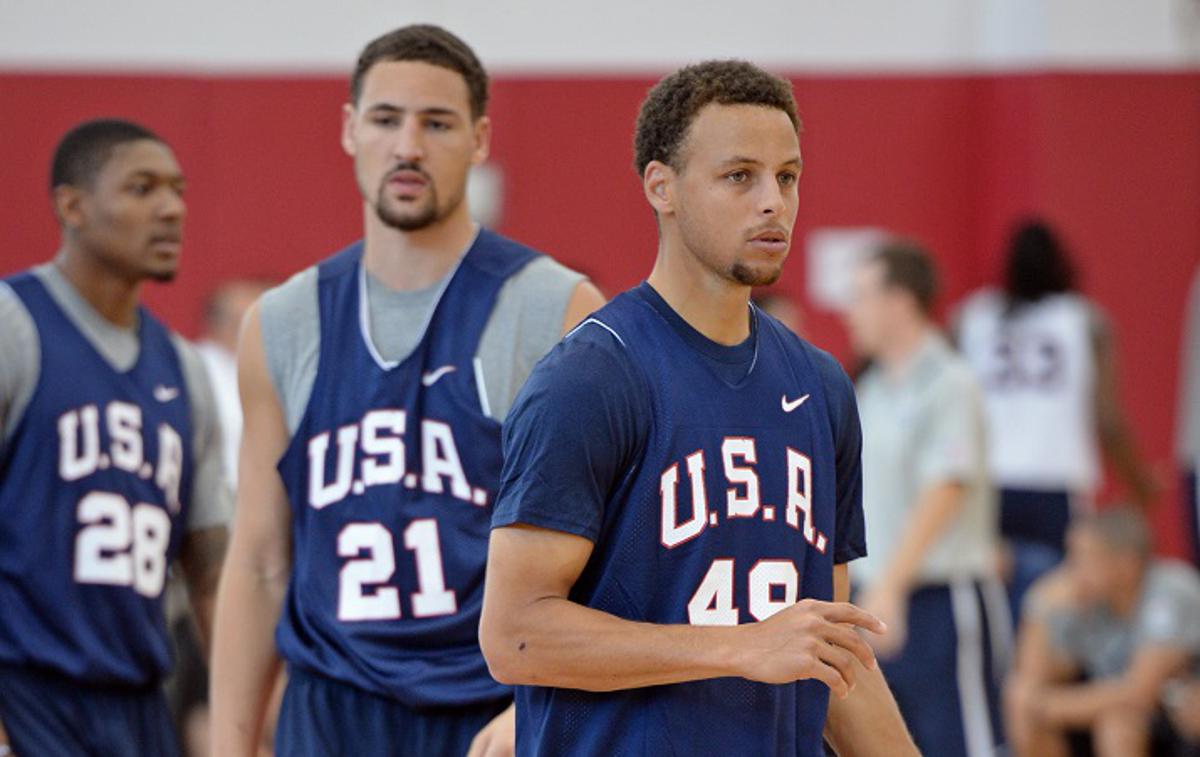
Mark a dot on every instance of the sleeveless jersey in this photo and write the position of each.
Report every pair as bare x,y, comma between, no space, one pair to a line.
391,475
727,517
91,514
1037,369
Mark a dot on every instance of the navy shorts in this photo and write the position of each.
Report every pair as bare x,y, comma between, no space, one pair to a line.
326,718
48,714
1034,523
946,679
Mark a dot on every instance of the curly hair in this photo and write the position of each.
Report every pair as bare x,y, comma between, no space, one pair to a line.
428,44
1037,264
672,104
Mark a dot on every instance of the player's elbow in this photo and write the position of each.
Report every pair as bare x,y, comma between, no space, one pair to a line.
501,648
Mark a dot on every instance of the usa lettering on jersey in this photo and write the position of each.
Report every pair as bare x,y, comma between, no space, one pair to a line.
773,584
121,543
372,453
380,437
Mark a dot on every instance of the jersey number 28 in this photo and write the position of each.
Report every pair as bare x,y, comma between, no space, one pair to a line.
120,545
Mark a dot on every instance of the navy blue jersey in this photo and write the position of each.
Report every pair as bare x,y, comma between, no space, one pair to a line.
91,513
391,476
719,485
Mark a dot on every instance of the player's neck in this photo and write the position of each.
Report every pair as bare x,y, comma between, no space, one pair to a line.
712,305
902,345
114,297
406,260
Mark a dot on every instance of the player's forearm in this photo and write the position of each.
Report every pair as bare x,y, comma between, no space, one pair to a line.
867,722
1078,705
937,508
245,663
201,558
559,643
1118,446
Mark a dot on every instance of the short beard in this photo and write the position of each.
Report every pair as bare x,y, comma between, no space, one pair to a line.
422,218
754,277
163,277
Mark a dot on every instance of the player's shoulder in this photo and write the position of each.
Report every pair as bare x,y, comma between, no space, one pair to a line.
18,321
540,277
592,354
293,302
951,371
984,301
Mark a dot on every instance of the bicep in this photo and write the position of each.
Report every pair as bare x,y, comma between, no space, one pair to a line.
262,517
527,564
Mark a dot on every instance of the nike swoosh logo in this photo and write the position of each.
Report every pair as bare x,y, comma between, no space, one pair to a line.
165,393
790,405
429,378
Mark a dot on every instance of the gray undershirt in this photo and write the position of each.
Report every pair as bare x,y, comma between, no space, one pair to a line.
211,502
1188,438
526,322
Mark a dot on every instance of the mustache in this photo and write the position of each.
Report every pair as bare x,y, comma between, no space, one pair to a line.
411,167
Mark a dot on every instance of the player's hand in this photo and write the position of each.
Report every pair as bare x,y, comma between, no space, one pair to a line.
810,639
891,606
498,738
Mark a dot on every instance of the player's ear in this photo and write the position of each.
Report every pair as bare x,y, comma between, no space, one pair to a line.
483,140
68,201
657,184
348,129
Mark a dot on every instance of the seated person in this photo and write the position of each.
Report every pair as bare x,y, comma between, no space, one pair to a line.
1099,639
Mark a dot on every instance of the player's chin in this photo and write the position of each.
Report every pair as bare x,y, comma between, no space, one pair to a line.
408,216
756,273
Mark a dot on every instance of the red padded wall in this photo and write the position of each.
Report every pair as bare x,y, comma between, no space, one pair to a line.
1113,158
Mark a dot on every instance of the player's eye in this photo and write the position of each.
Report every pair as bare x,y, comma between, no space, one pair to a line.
141,188
788,178
435,125
740,176
385,121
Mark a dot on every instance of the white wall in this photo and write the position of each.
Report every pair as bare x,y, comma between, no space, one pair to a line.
630,35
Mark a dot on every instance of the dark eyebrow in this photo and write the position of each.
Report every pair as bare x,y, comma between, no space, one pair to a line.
741,160
431,111
145,173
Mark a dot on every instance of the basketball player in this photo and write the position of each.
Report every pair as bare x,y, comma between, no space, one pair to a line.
373,387
931,511
682,466
1044,355
110,460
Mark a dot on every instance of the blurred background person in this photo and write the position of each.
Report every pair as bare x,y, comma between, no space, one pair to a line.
1045,357
223,311
1188,420
930,511
1101,637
